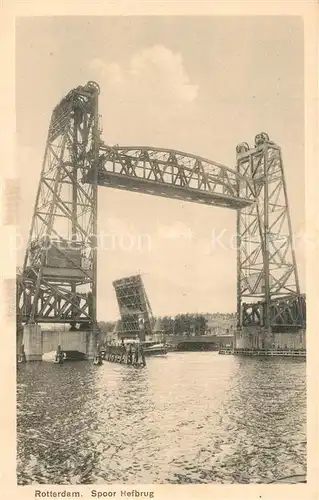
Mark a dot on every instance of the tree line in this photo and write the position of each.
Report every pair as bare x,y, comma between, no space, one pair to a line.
190,323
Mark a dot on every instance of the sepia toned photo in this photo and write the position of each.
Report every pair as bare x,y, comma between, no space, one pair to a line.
161,326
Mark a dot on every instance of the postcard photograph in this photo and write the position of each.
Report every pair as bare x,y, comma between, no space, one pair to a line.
161,294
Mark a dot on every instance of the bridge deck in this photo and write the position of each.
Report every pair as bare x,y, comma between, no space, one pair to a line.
155,188
171,174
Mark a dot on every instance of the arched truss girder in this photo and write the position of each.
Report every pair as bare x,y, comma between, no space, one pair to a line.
172,174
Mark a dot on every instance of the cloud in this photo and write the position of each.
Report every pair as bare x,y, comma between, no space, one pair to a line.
111,72
164,69
155,72
147,99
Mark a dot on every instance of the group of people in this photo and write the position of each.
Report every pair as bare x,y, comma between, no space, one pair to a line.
135,353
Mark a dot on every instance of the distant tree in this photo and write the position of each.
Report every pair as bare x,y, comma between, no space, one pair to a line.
196,323
106,326
167,325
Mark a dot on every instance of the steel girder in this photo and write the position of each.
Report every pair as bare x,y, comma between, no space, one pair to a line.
54,302
286,313
171,174
267,270
58,281
135,309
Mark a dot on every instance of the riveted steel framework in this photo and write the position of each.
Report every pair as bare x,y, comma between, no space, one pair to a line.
171,174
267,271
58,281
135,309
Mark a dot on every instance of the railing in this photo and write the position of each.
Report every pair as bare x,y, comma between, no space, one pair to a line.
289,352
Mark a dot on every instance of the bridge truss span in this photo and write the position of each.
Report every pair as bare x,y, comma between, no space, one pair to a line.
172,174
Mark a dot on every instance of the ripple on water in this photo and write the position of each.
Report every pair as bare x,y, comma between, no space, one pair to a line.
189,418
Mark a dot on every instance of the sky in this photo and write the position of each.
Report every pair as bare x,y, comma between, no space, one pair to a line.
196,84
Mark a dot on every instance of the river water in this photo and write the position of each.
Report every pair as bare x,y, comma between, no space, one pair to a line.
193,417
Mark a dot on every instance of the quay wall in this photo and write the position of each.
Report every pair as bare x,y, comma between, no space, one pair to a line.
205,339
69,341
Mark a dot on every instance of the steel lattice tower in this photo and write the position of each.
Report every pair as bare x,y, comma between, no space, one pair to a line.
267,270
59,276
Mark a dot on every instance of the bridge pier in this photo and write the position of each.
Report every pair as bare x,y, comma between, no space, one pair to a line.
254,337
251,337
91,342
295,340
32,341
37,342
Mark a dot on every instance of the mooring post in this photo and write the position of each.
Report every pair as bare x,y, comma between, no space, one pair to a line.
22,354
142,356
59,355
91,344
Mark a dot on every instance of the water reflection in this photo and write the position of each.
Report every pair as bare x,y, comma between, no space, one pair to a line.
54,439
266,415
191,417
